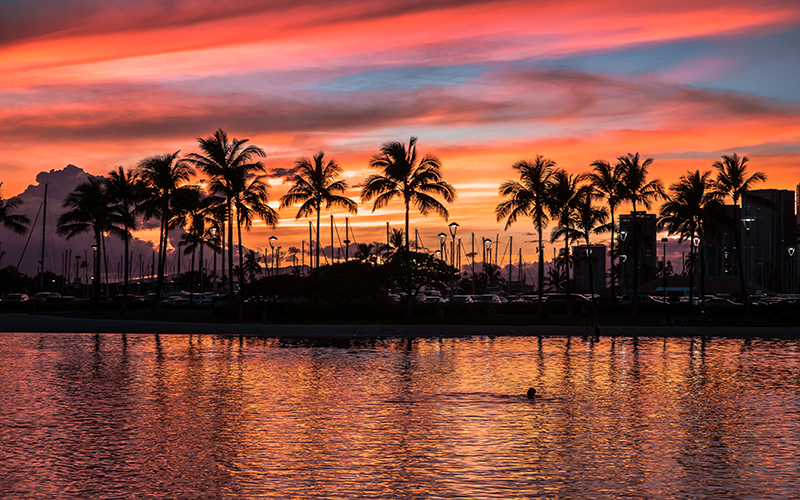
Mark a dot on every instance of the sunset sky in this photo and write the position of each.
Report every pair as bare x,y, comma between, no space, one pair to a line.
482,84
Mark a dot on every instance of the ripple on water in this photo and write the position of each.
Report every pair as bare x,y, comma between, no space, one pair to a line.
180,416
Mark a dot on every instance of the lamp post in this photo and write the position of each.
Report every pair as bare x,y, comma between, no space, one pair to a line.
278,263
695,245
95,273
453,226
790,251
664,268
623,235
272,240
442,239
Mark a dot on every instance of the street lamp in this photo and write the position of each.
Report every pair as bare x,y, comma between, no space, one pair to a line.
790,251
453,226
272,240
664,268
442,238
95,272
278,263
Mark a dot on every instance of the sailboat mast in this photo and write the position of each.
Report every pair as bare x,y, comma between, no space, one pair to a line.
44,227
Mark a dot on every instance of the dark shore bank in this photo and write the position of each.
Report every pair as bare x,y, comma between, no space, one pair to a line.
26,323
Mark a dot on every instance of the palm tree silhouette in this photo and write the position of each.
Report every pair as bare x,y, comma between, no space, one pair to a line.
694,208
315,184
638,190
196,234
566,194
167,196
14,222
734,183
89,211
228,163
606,182
408,179
589,219
250,202
124,191
530,197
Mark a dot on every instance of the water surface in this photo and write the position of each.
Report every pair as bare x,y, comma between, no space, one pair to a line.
180,416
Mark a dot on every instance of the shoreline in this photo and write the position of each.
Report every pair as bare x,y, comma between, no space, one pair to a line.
26,323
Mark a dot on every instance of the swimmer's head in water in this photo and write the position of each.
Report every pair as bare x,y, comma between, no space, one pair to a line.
531,393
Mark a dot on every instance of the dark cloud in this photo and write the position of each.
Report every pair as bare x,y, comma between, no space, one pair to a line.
286,174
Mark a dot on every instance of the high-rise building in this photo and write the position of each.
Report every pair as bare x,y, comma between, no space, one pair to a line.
646,247
593,256
769,238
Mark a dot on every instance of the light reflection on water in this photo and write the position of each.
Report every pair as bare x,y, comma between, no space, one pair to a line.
179,416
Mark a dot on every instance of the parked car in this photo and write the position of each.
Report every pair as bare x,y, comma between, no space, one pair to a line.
461,299
488,298
561,298
16,297
720,302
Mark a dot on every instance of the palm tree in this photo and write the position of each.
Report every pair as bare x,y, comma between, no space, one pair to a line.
89,211
734,183
638,190
606,182
251,202
408,179
252,265
315,184
228,163
198,217
589,219
166,196
14,222
566,194
694,208
530,197
124,190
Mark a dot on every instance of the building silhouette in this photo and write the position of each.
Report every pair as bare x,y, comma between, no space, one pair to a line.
645,246
769,239
594,258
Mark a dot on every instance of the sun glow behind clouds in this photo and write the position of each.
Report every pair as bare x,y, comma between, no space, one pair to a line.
100,85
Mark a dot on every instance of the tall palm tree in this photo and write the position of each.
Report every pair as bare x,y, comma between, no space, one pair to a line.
566,194
529,197
166,196
638,190
589,220
197,218
228,162
315,184
125,191
693,208
411,180
89,211
734,183
14,222
606,182
251,202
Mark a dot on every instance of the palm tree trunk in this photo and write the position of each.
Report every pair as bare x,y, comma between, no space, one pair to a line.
127,273
407,227
739,266
96,270
635,296
566,276
241,266
191,280
693,270
540,306
161,251
317,266
230,246
702,270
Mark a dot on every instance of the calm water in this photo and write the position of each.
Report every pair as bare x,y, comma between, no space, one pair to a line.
174,416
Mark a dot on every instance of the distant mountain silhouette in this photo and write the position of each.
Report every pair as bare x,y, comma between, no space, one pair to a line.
60,183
